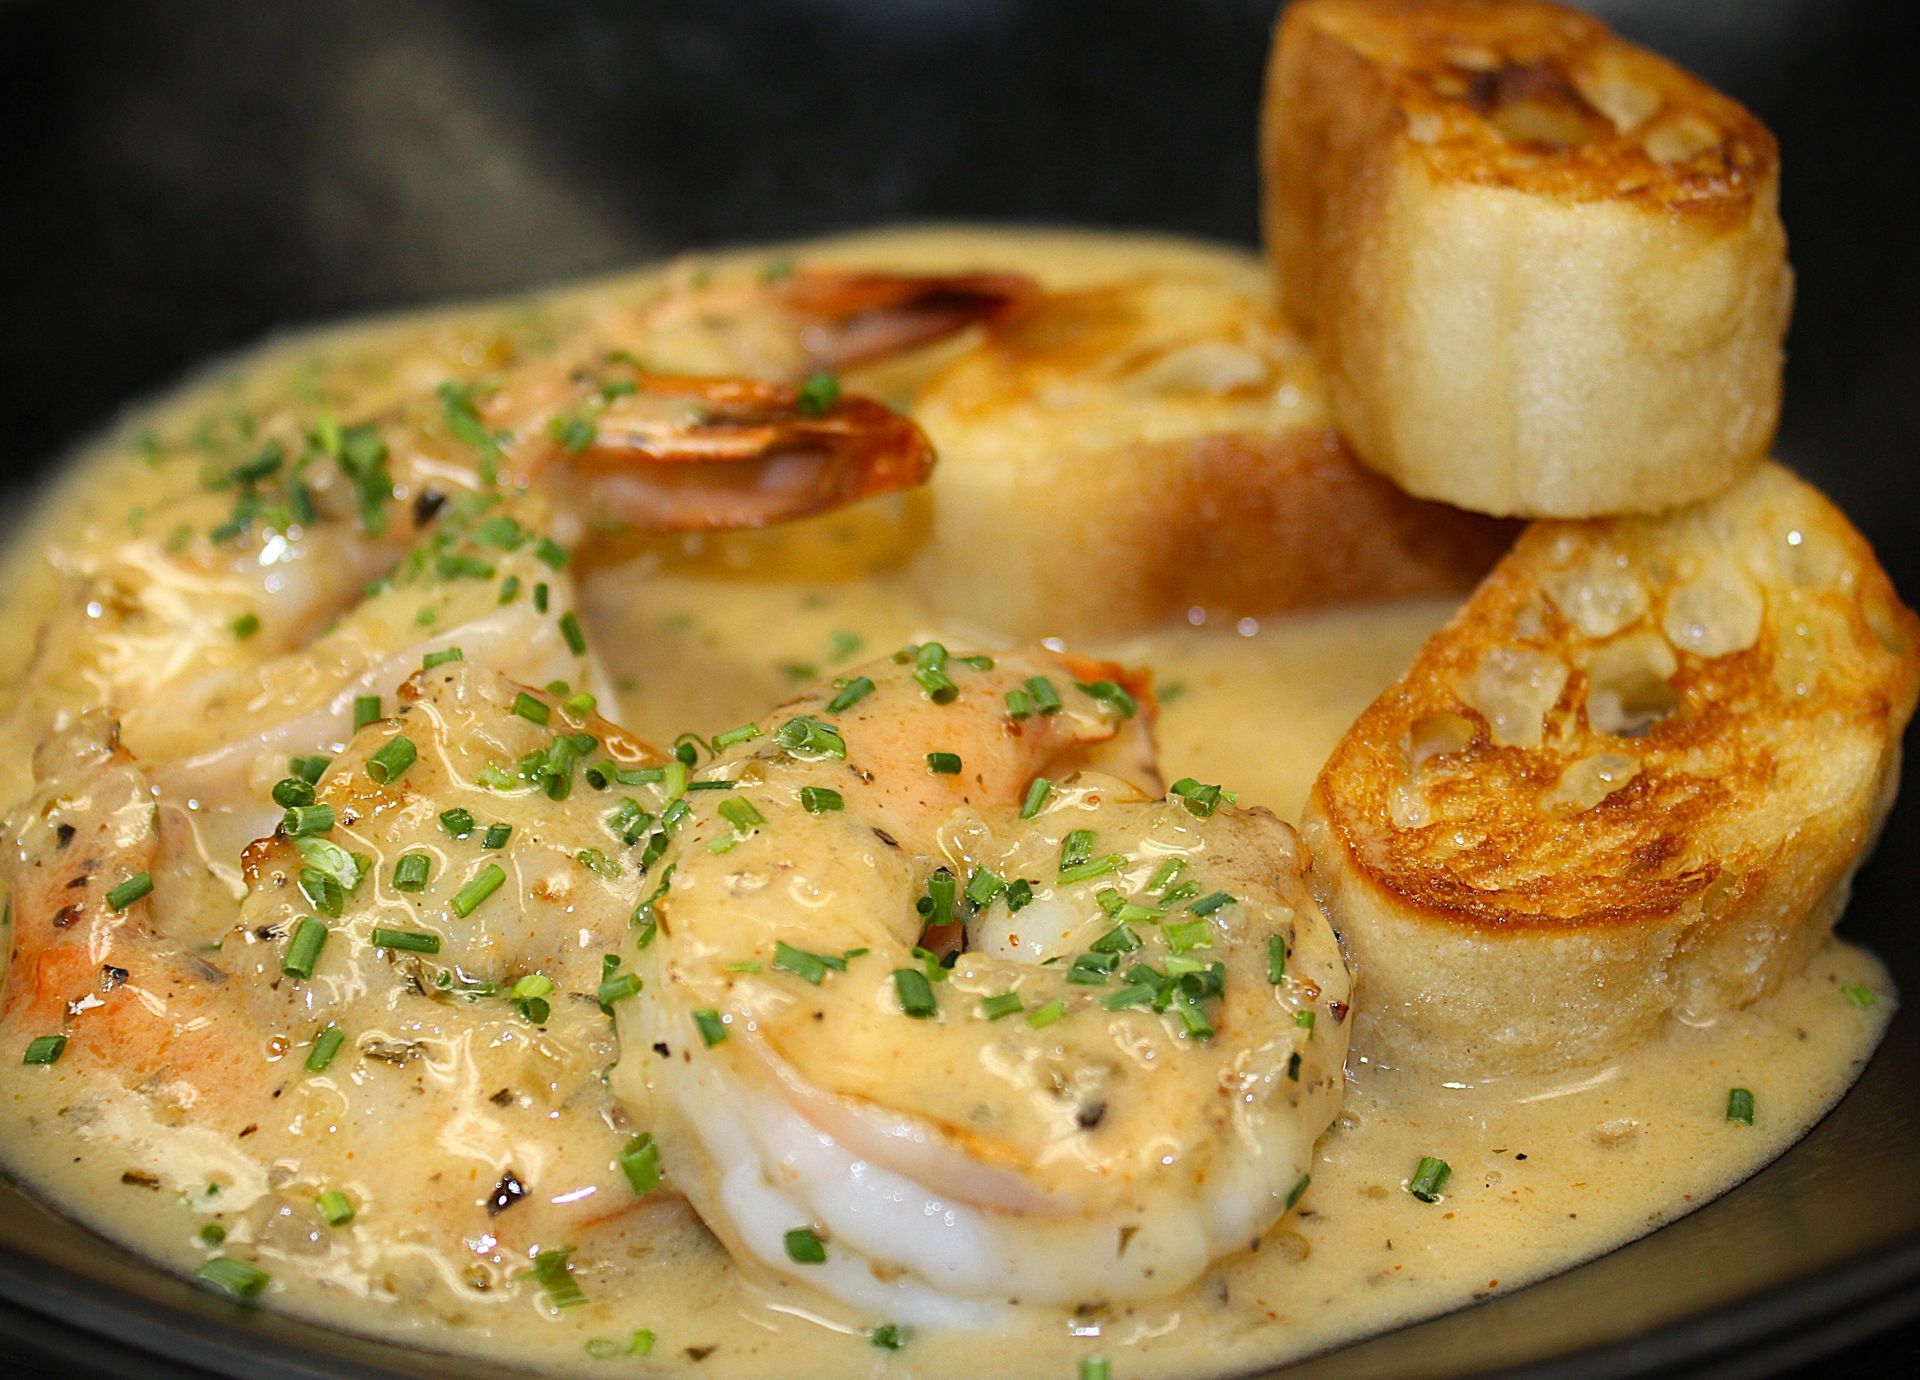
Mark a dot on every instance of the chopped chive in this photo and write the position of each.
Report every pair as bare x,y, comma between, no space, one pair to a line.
335,1206
915,993
1095,1368
213,1234
1429,1177
325,1045
1305,1020
617,989
1005,1004
408,941
1118,940
1298,1191
1091,970
640,1162
888,1337
45,1049
496,837
1019,895
1093,867
811,966
805,737
509,589
741,814
245,626
1862,997
1133,994
309,769
1740,1106
1041,1017
303,820
817,395
1276,959
570,629
366,710
483,884
1199,799
531,709
391,762
580,705
673,779
1076,847
743,734
818,800
597,863
1188,935
291,791
983,888
457,822
1037,792
441,658
850,694
943,763
978,663
805,1248
938,684
1208,904
936,907
303,950
1019,704
131,890
1045,698
930,963
1112,697
234,1277
540,598
550,552
1165,873
712,1029
553,1271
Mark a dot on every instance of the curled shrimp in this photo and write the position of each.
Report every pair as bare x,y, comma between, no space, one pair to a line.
1117,1077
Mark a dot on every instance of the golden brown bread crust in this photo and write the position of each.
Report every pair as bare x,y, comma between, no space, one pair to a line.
1543,267
1115,456
1633,775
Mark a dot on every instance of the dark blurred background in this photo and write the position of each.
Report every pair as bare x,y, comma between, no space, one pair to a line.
180,177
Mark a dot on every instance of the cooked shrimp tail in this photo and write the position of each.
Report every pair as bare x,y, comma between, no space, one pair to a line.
851,317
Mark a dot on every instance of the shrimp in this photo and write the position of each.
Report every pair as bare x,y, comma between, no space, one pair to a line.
435,1059
1118,1077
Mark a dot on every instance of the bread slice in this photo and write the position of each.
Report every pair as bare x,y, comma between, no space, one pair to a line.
1544,268
1632,777
1120,453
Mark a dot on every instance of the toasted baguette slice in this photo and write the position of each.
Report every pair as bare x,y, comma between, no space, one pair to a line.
1544,268
1123,452
1632,777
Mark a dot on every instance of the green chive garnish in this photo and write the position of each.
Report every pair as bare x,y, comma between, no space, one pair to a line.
915,993
554,1273
1188,935
805,737
1305,1020
943,763
411,872
45,1049
1019,704
712,1029
441,658
1045,698
1428,1179
408,941
1862,997
457,822
468,898
811,966
888,1337
1093,867
335,1206
570,629
1740,1106
640,1162
291,791
303,820
1208,904
532,709
366,709
1298,1191
1095,1368
817,395
818,800
741,814
1005,1004
804,1248
744,734
850,694
129,891
1276,959
303,950
1041,1017
391,762
245,626
309,769
1112,697
234,1277
325,1045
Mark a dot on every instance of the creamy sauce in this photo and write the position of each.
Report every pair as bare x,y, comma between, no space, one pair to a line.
704,634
